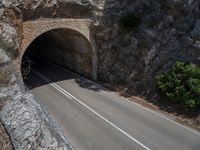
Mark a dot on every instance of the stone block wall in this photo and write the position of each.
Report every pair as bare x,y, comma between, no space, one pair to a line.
81,41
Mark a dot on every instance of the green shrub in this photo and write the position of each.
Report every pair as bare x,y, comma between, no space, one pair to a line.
130,22
181,84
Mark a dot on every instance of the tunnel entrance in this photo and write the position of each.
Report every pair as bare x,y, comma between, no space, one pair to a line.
65,47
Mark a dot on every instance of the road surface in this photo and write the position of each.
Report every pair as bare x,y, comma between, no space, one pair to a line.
94,118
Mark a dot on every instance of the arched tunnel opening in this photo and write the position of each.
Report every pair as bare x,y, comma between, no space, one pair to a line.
64,48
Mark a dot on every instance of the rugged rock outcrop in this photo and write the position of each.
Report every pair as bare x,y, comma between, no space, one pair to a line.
28,124
5,141
168,31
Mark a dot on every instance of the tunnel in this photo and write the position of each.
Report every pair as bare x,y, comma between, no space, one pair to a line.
64,47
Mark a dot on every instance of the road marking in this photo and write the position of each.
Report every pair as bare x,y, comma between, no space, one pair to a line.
63,91
155,112
162,116
51,83
75,74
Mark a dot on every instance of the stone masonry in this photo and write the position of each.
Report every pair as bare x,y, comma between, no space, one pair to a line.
33,29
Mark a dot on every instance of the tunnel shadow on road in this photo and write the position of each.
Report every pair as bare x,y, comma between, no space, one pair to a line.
88,85
56,73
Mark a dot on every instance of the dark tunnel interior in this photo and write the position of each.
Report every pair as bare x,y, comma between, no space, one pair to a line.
63,47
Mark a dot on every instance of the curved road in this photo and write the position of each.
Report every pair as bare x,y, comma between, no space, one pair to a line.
96,119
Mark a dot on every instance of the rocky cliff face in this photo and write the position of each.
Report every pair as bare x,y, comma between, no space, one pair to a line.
169,31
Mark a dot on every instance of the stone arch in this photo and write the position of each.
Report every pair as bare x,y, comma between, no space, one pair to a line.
34,29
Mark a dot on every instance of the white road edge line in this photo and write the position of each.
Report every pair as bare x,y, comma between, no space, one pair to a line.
51,83
155,112
162,116
96,113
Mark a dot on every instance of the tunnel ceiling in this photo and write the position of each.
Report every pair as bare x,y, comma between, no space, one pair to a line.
65,47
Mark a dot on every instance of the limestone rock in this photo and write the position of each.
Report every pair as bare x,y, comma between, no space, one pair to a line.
196,31
4,139
28,124
163,37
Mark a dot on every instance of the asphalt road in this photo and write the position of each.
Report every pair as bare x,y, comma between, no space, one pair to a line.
94,118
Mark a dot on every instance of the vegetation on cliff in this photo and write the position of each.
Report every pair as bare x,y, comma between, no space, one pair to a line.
181,84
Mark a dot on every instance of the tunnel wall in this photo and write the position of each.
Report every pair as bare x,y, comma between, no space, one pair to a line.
80,56
65,47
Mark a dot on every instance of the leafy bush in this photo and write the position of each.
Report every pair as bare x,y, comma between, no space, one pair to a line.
181,84
130,22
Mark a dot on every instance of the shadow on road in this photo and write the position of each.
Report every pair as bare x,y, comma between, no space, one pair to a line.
56,74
